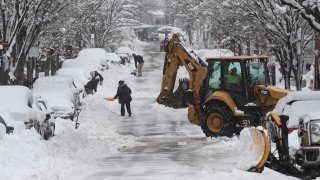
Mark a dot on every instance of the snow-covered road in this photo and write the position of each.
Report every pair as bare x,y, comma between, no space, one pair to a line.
155,143
162,143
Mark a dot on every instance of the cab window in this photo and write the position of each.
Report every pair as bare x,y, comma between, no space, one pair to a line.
257,73
232,75
215,78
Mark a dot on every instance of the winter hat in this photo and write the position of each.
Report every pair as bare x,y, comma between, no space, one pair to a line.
133,54
121,82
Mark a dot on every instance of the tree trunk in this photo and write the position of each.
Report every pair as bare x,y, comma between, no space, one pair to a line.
317,63
37,61
2,71
48,65
53,65
239,49
29,73
19,72
273,75
248,47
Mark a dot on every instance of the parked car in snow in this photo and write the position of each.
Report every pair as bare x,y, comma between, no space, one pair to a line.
296,104
80,78
95,56
60,93
20,103
92,59
18,100
125,53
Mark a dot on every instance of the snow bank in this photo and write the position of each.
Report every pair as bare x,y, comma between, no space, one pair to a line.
242,151
296,104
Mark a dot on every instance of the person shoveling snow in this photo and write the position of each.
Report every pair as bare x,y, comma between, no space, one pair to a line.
124,95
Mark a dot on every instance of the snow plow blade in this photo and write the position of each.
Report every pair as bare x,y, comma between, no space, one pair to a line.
258,141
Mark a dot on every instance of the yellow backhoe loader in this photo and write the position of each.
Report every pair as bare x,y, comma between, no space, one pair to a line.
223,95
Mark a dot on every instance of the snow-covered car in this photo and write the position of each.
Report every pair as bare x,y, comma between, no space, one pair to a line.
20,103
207,53
113,58
92,59
94,56
60,93
18,100
296,104
125,53
79,76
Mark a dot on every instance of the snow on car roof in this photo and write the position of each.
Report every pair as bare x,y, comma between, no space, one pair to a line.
314,116
88,60
297,104
15,94
54,80
79,76
92,54
18,101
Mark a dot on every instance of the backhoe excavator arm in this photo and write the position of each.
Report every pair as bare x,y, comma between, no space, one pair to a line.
188,90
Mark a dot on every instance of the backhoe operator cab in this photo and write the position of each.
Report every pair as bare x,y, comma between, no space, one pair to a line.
223,95
229,96
236,75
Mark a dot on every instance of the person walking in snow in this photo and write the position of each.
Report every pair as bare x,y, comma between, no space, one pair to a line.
124,97
138,60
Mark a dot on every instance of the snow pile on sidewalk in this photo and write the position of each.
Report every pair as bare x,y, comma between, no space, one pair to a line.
71,153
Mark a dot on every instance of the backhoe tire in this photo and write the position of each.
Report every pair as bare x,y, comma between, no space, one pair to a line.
217,120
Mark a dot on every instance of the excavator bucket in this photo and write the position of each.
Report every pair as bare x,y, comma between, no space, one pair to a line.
178,99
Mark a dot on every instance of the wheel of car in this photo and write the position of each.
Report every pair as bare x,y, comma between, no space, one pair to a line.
217,121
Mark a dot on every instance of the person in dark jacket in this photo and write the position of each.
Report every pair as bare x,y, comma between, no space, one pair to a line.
91,86
124,97
96,75
138,60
